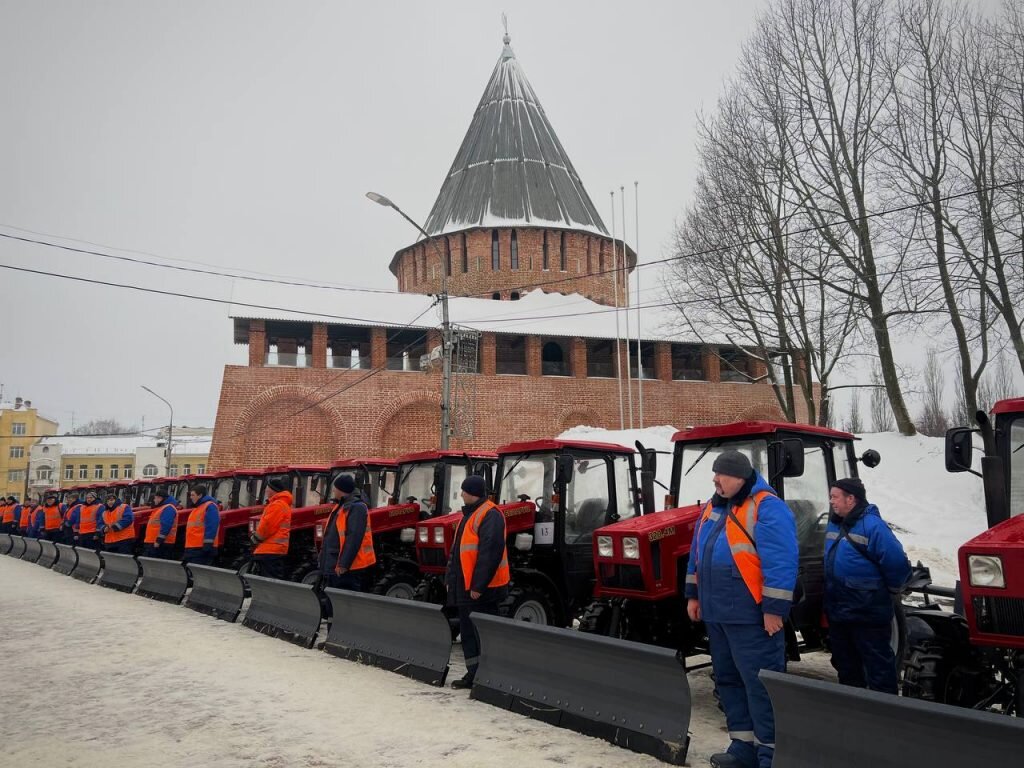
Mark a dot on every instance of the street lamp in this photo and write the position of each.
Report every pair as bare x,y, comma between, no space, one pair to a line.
446,328
170,431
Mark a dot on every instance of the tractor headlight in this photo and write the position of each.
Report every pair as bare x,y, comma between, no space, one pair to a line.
986,571
604,546
438,535
631,548
424,535
408,535
319,530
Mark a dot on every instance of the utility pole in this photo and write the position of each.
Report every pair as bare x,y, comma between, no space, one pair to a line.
446,328
170,432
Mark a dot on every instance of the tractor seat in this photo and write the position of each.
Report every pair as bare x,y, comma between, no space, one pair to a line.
591,515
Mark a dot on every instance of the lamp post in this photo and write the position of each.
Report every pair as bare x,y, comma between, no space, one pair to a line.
446,329
170,431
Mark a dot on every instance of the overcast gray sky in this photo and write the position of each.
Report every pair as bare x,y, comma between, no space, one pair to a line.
245,134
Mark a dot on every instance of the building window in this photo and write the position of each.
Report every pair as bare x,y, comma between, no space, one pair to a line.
563,258
128,471
69,471
201,469
115,470
149,470
404,349
510,355
17,452
646,360
514,296
687,363
544,252
44,473
590,265
495,251
186,469
348,348
448,255
83,471
553,360
173,471
515,250
16,475
18,428
465,254
97,472
735,365
601,358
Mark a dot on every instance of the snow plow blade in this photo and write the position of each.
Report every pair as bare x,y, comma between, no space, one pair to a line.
403,636
856,727
120,572
165,580
285,609
47,554
636,696
17,545
88,566
216,592
67,559
5,543
32,550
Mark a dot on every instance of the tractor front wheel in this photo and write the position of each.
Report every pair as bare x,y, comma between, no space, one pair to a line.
531,603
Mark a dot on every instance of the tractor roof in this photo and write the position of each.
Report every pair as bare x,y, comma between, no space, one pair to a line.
1012,405
748,428
435,455
533,446
375,461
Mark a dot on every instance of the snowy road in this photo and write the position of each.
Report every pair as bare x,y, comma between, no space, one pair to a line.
94,677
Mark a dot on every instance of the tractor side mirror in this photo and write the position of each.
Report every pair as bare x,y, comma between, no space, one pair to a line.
959,449
564,468
648,459
438,477
789,457
871,458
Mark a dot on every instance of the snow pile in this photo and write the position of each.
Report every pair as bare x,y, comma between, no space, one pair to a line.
932,511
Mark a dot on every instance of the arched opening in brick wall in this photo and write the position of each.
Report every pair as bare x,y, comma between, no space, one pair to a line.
286,428
414,427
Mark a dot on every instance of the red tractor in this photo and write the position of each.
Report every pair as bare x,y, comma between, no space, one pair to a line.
641,562
974,656
554,494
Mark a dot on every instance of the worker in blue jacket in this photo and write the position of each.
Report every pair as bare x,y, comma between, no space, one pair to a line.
865,567
740,579
74,508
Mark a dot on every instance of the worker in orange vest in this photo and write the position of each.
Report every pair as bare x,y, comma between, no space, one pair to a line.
10,515
478,571
202,527
48,518
118,524
25,518
272,534
85,521
346,553
162,526
72,506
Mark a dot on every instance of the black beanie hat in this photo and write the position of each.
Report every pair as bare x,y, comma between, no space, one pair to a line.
161,492
475,485
278,483
345,483
853,486
733,464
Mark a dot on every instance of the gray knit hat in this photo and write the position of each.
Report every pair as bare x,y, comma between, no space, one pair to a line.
733,464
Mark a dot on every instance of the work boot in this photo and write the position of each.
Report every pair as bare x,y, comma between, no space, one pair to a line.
726,760
466,681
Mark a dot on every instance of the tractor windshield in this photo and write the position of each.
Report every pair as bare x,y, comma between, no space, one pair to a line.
314,488
1016,466
417,484
529,475
248,491
221,491
696,460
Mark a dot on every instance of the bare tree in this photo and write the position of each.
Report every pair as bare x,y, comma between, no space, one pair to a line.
881,412
933,421
108,426
855,423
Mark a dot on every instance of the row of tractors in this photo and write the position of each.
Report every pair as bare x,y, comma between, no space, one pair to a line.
590,547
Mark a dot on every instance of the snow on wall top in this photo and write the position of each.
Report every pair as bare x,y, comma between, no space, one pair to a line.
511,169
95,445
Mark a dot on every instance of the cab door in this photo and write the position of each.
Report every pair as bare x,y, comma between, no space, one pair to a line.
587,504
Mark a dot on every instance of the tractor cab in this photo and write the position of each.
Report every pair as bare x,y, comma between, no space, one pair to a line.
374,477
641,563
554,494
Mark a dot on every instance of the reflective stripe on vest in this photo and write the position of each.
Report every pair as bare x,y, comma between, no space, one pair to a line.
195,528
87,520
365,557
469,546
744,553
52,517
112,517
153,526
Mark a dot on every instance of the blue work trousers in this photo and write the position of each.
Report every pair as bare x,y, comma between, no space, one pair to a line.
862,655
738,653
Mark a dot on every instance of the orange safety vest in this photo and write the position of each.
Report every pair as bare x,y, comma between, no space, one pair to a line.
275,542
153,526
52,517
196,526
87,519
26,515
111,516
365,557
744,553
470,544
6,513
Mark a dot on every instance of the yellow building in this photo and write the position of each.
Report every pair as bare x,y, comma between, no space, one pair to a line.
21,427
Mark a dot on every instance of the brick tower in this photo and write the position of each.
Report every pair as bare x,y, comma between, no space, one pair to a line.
512,211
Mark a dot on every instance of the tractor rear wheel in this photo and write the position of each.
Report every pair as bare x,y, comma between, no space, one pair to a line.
531,603
400,586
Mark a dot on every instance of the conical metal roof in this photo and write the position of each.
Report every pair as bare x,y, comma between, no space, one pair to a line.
511,170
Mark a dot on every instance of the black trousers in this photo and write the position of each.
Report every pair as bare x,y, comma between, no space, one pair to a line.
863,656
86,541
163,552
199,556
123,547
271,566
470,638
354,581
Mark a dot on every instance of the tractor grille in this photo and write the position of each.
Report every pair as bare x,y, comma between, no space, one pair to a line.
432,557
622,576
1000,615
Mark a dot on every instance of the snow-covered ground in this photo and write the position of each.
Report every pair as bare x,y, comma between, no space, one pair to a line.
932,511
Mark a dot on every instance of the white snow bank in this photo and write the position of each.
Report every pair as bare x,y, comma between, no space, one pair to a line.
932,511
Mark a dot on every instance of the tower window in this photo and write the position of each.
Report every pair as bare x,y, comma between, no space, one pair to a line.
514,296
590,266
465,254
495,251
448,256
544,254
496,296
563,259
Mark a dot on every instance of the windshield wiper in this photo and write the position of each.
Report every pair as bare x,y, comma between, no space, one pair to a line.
703,453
